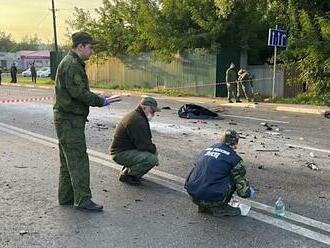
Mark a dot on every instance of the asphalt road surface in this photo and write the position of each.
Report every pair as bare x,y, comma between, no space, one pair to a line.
160,214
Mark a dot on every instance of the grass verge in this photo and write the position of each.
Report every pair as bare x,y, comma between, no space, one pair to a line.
305,98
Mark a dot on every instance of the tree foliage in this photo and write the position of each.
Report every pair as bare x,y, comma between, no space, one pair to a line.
167,27
8,44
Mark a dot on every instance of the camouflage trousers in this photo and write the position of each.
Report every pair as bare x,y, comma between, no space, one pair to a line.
74,178
137,162
246,89
232,91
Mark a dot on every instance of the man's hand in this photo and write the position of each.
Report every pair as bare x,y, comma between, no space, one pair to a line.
111,99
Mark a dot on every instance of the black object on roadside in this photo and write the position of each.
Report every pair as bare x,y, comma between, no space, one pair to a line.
327,114
193,111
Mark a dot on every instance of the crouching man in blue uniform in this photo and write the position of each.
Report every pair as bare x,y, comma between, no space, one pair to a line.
217,174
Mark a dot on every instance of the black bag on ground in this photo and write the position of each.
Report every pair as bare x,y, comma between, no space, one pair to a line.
193,111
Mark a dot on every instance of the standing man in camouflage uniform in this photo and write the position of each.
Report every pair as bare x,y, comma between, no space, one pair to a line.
244,84
218,173
132,145
72,100
231,80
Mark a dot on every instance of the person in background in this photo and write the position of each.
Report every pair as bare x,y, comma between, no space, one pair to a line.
244,84
219,172
231,80
0,75
13,73
33,73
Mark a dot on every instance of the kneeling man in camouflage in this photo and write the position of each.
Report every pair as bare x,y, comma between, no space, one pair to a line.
132,145
217,174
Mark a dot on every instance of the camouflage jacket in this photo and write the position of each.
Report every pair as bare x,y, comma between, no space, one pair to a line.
238,176
218,171
72,94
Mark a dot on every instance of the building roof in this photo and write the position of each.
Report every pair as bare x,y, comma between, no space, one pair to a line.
34,54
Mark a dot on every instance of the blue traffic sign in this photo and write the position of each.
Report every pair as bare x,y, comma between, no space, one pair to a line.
277,37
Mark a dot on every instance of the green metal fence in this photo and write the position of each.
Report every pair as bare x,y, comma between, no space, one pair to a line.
191,73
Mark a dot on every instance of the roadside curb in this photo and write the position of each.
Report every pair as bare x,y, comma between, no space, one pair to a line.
317,110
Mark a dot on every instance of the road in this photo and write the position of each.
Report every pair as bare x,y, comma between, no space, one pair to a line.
160,214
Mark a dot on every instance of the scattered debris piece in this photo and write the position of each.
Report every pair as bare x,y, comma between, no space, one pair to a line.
166,108
322,197
22,232
100,126
260,167
274,133
267,150
301,138
20,167
184,134
312,155
138,200
105,190
232,123
277,129
265,124
312,166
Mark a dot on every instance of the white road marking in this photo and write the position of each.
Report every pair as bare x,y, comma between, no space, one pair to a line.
325,239
162,178
253,118
309,148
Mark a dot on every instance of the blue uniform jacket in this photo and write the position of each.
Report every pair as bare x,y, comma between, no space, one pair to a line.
210,179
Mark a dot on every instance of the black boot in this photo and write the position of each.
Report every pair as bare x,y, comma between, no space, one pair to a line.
129,179
225,210
91,206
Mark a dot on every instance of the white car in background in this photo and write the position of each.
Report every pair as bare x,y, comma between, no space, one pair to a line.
26,73
43,72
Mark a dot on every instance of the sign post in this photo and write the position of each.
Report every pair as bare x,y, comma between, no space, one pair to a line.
276,37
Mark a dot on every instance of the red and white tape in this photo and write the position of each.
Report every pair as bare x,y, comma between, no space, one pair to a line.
33,99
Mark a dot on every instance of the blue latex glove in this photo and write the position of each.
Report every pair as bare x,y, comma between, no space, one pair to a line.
106,101
253,193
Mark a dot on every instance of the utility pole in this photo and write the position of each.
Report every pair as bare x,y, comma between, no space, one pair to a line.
54,26
274,70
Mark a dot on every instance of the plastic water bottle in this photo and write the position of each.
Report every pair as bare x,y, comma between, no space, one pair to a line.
279,207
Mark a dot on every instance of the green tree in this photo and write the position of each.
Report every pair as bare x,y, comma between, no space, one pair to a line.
6,42
167,27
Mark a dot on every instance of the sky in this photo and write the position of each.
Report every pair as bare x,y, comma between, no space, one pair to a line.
29,17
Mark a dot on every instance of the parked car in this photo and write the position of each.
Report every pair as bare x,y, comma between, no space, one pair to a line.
43,72
26,73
